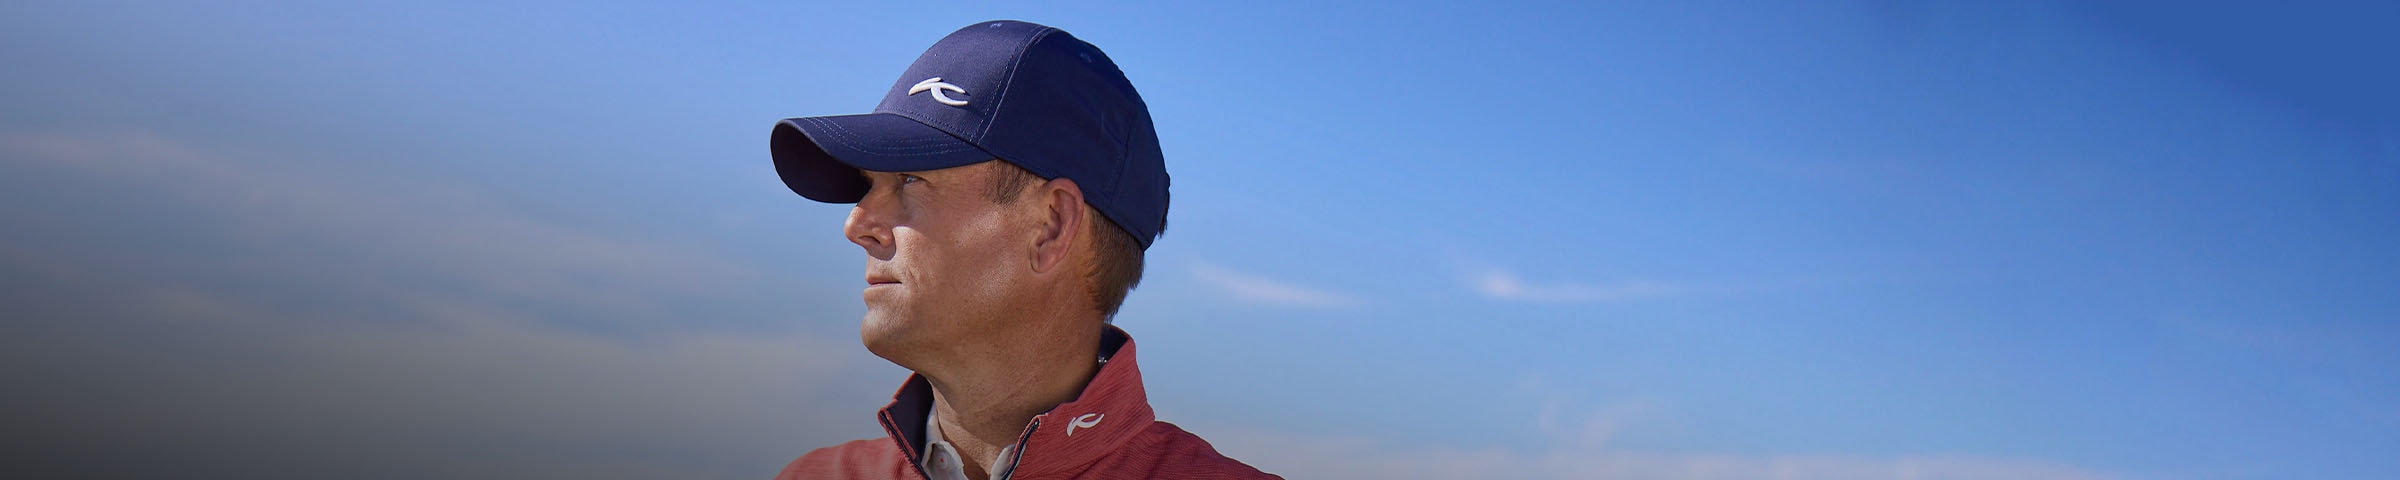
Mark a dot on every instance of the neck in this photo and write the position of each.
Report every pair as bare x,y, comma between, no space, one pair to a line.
984,405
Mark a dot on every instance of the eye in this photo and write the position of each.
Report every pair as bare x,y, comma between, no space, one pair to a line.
908,179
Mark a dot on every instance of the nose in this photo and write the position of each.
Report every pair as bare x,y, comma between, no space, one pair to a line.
870,224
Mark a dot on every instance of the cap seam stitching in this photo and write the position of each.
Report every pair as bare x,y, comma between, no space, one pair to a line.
1007,85
843,135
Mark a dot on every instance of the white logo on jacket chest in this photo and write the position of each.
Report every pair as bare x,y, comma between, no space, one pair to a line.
936,85
1088,420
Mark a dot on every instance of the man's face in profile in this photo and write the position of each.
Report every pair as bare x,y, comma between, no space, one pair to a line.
940,254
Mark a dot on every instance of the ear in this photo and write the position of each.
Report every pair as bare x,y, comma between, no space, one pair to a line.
1063,217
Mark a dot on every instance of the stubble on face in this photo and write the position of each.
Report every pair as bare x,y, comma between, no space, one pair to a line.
940,285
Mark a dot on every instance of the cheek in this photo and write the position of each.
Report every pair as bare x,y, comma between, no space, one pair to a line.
938,260
966,258
1004,258
980,257
914,253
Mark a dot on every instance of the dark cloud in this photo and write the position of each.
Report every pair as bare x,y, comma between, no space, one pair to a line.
174,311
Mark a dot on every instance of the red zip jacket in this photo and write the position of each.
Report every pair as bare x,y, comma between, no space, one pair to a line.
1108,432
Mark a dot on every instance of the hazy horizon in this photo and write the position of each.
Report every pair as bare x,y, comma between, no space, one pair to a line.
1856,240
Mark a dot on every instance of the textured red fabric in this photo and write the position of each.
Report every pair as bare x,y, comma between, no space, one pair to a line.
1108,432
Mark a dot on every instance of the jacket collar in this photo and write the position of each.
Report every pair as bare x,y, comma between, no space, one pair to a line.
1111,410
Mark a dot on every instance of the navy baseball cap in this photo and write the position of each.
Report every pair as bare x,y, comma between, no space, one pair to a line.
1025,93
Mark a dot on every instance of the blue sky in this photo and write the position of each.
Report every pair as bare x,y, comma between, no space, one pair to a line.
1702,240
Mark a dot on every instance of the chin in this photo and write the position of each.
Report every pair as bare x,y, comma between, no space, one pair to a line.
887,335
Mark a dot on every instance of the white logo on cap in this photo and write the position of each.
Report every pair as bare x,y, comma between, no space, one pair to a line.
1088,420
935,84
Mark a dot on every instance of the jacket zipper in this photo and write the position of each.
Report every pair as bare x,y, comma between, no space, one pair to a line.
915,460
1022,444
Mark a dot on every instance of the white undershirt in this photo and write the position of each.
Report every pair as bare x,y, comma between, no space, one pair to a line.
941,459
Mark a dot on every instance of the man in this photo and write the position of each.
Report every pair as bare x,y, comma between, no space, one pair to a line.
1006,189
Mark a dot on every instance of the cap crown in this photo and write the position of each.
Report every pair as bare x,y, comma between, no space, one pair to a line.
1054,105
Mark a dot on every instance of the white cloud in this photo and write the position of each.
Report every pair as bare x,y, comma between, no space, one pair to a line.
1254,289
1361,457
1503,285
1579,440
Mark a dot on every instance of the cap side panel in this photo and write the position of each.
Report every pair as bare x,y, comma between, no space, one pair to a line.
1009,79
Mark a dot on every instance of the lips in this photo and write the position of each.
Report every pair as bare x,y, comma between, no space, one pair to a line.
874,279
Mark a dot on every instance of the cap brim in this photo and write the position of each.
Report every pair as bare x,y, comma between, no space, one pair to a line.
820,157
